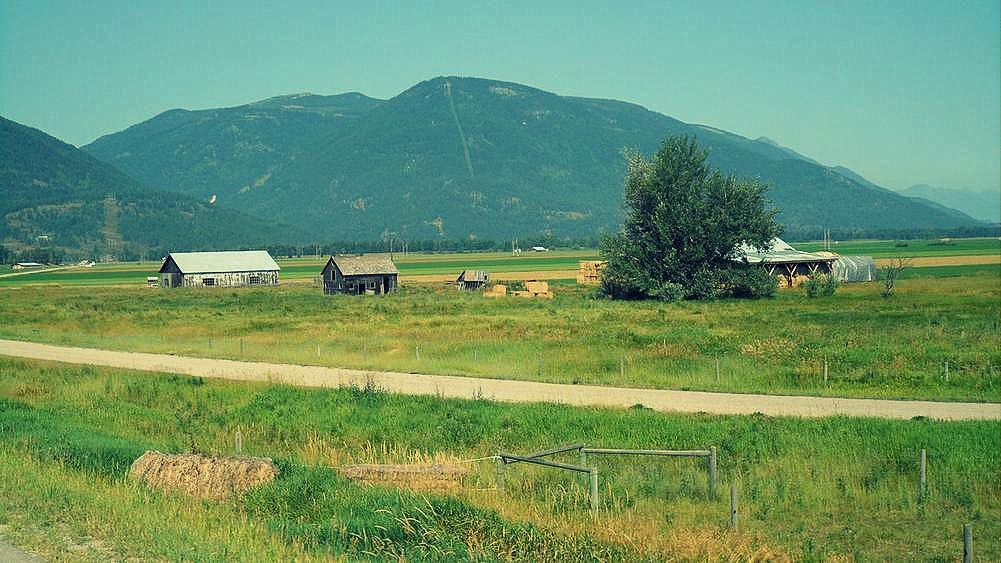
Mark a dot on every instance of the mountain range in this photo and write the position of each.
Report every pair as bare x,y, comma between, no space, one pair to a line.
985,206
468,158
59,200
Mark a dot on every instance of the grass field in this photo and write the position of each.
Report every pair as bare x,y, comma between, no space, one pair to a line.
910,248
875,347
831,489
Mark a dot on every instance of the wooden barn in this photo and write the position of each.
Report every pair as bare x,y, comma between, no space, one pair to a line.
790,265
219,269
472,280
373,274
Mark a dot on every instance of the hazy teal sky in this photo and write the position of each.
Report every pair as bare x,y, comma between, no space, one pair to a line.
901,91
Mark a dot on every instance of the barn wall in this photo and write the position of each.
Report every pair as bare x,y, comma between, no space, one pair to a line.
231,279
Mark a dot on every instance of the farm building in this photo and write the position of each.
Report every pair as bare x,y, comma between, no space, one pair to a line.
26,265
785,261
472,279
222,269
854,268
360,275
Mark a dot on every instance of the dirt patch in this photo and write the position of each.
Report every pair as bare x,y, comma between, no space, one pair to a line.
202,476
447,478
922,261
497,276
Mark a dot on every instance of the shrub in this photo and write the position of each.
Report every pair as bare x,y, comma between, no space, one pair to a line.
820,285
752,282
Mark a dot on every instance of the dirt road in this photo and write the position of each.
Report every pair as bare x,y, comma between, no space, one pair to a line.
504,390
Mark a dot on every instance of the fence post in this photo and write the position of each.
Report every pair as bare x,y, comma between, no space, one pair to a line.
712,472
583,458
239,442
594,490
500,474
825,371
622,366
540,364
733,507
923,488
717,369
317,350
417,352
967,543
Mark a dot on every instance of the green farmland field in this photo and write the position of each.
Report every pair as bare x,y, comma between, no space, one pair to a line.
810,490
910,248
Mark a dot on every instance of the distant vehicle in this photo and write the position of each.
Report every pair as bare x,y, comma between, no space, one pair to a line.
539,249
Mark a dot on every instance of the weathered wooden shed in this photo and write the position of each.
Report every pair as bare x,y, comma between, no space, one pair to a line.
219,269
371,274
472,279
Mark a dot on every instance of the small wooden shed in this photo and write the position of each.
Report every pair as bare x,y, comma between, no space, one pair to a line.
372,274
472,280
222,269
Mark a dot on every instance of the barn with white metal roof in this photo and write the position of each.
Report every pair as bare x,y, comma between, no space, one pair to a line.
219,269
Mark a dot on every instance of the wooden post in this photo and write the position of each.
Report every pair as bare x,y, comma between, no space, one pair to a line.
967,543
417,352
500,474
733,507
594,490
317,350
239,442
241,346
947,371
622,367
825,371
924,473
717,369
583,458
210,343
474,356
540,364
712,472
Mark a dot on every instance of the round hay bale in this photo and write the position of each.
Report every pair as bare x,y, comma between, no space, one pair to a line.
202,476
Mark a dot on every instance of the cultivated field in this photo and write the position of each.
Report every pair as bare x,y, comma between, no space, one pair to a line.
933,258
826,489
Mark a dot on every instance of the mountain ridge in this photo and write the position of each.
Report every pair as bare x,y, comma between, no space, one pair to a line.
62,199
465,157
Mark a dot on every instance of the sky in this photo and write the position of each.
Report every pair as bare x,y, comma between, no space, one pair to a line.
903,92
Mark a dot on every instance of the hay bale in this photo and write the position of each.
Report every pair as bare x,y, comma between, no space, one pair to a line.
417,477
590,272
496,290
202,476
537,287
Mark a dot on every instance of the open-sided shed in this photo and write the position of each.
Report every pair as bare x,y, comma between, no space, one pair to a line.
783,260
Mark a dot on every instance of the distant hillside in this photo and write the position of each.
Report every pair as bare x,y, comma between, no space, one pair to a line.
466,158
985,206
58,197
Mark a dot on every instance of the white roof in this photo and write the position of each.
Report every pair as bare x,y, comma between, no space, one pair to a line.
779,253
220,262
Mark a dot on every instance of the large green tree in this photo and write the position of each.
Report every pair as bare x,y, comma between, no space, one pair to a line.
684,224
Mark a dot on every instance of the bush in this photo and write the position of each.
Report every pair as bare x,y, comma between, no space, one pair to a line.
753,282
820,285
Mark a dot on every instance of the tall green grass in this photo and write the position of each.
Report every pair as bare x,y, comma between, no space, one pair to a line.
810,489
875,347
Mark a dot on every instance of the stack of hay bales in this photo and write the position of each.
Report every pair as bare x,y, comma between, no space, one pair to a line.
418,477
590,272
538,289
496,290
202,476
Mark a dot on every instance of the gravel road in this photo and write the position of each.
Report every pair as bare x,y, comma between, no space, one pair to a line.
505,390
